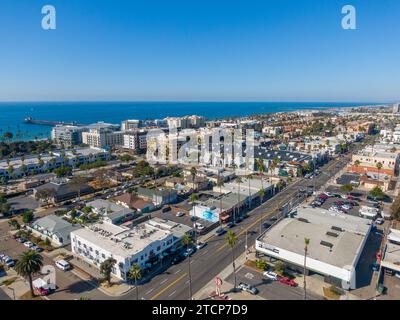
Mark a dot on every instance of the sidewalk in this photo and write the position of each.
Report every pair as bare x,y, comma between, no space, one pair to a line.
18,286
226,288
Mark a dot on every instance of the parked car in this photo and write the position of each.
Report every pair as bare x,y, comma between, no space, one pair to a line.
287,281
10,263
63,265
199,226
166,209
189,251
220,231
271,275
180,214
380,221
248,288
178,258
28,244
230,225
21,240
200,245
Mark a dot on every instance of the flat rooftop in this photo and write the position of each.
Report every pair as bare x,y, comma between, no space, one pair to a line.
122,241
342,235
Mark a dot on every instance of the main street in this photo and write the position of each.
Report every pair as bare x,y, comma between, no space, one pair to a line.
211,260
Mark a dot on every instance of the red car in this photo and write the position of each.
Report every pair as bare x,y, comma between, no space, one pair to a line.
350,197
323,196
286,280
339,203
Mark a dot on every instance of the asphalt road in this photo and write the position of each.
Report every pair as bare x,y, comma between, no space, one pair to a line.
211,260
172,284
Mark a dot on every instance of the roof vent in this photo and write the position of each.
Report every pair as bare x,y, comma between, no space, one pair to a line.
332,234
326,244
303,220
337,228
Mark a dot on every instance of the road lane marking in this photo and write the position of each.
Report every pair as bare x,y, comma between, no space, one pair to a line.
168,286
164,281
178,271
172,294
150,291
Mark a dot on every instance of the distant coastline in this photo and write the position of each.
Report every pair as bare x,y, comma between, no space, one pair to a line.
12,115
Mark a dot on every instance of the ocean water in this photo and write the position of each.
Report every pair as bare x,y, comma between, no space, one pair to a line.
12,115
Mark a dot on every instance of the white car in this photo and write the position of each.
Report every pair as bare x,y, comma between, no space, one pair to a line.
200,245
28,244
180,214
346,207
199,226
380,221
63,265
271,275
328,194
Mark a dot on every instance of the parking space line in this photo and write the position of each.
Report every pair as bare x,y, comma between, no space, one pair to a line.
150,291
178,271
172,294
164,281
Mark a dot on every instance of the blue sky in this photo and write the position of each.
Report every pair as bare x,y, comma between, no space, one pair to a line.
267,50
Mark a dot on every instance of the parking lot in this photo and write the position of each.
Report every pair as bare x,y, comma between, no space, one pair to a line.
69,286
268,289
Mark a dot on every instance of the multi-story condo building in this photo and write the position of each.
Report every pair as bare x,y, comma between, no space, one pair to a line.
67,136
103,135
185,122
143,244
131,124
135,140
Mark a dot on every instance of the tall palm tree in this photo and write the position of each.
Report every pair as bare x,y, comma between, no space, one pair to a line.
29,264
187,241
135,273
379,167
231,239
193,173
261,193
249,177
238,181
261,168
306,243
357,163
220,184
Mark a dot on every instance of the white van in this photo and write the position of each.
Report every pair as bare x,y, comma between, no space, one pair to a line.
63,265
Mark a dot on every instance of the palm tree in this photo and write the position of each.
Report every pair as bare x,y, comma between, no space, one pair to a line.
357,163
238,181
249,177
261,167
231,239
193,197
306,243
379,167
187,241
193,173
220,184
135,273
106,268
29,264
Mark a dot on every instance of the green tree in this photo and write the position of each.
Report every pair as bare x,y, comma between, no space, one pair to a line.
193,197
347,188
187,241
377,193
220,184
28,216
14,224
231,240
306,244
106,268
135,273
379,167
238,181
29,263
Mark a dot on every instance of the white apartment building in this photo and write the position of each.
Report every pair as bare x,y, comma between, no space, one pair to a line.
130,125
17,167
144,244
185,122
100,138
135,140
66,135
